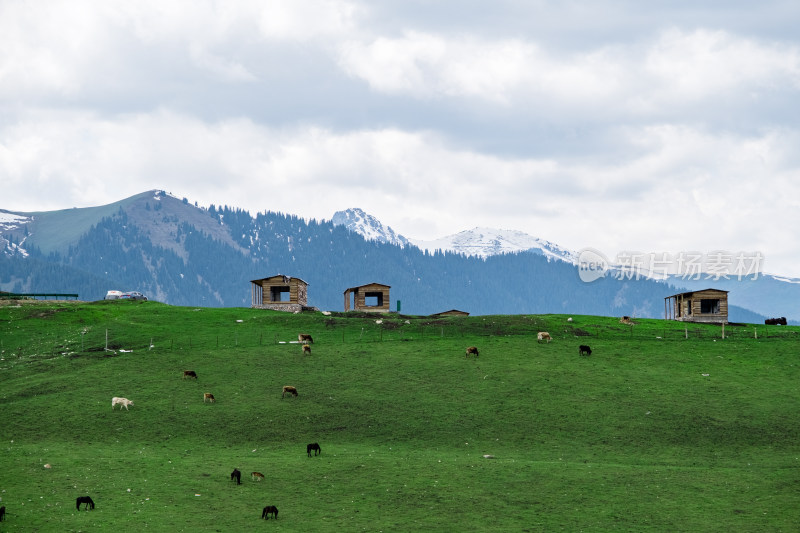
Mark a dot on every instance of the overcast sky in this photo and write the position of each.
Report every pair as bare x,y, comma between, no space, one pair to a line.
662,126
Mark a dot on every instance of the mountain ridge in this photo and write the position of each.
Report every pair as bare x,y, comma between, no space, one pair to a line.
183,254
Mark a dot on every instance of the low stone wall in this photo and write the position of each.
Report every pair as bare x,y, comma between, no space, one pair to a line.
289,308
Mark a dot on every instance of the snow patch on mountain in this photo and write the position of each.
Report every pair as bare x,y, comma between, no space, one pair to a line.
8,223
485,242
369,227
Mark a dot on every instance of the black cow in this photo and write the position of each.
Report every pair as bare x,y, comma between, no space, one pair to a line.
315,447
584,350
269,510
776,321
237,476
86,500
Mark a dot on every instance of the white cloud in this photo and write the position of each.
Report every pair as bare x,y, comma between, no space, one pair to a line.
665,127
675,68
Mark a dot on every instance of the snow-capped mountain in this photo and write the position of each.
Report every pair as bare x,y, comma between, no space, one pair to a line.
8,223
480,242
369,227
484,242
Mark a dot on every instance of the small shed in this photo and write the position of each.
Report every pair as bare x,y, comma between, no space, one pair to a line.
707,305
452,312
372,297
281,293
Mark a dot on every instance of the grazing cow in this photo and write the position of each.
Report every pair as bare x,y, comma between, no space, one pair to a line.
256,476
189,374
269,510
2,513
776,321
315,447
289,389
306,349
543,336
208,396
84,499
584,350
121,402
471,350
305,338
236,476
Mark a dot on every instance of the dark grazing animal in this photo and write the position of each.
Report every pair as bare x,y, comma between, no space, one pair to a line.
313,447
306,349
269,510
584,350
237,476
2,513
289,389
471,350
84,499
305,338
776,321
189,374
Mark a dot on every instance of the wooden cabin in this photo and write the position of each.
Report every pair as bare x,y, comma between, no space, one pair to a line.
452,312
281,293
373,297
708,305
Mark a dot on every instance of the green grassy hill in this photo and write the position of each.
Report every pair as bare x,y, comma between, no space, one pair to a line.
653,432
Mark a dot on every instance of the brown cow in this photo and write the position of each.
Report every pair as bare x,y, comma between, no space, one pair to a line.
208,396
189,374
257,476
543,336
471,350
305,338
306,349
289,389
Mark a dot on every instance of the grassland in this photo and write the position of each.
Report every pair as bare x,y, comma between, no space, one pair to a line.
663,428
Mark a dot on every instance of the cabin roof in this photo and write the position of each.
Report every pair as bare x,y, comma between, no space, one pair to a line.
693,292
367,285
288,278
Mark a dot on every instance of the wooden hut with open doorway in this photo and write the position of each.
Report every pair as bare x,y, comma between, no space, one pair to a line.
372,297
708,305
281,293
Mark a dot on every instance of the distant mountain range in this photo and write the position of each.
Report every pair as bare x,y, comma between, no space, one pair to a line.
179,253
767,294
479,242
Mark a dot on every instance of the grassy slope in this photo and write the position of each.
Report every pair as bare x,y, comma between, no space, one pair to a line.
633,438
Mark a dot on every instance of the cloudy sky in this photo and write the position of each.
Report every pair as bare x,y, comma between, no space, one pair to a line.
662,126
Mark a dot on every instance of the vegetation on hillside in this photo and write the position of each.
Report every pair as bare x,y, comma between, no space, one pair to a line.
665,427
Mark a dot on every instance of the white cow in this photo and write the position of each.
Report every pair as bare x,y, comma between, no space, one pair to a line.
121,402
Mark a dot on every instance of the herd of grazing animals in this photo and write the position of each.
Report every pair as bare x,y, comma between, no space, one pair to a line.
236,475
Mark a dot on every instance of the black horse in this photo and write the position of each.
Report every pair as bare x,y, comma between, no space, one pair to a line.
84,499
313,447
237,476
584,350
269,510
